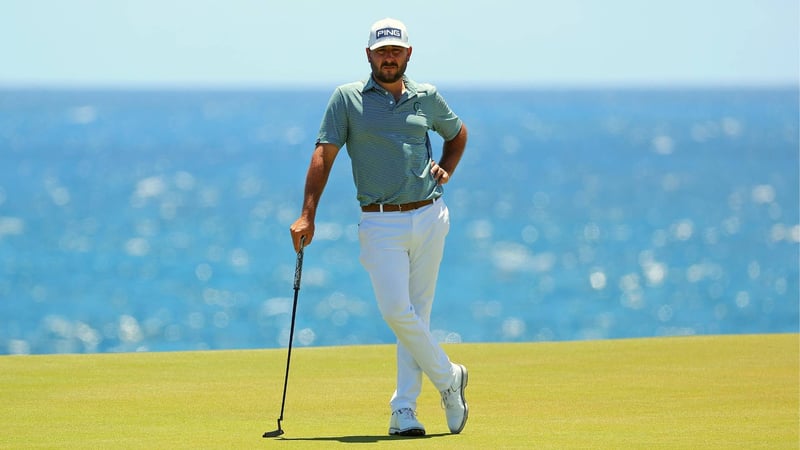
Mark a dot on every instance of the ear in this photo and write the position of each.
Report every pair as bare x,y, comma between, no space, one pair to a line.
369,55
410,49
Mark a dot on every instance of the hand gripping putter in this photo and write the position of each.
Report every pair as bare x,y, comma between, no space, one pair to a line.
298,272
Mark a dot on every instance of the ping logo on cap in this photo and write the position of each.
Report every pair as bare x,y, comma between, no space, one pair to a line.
388,33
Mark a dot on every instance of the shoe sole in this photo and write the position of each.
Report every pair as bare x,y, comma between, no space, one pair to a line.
464,379
409,432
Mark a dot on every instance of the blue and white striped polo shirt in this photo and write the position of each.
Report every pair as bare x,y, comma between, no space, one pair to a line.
388,141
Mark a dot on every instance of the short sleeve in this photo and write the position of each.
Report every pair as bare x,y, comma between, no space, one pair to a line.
445,122
333,129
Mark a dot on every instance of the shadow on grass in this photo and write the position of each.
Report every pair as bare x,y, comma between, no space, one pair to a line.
363,439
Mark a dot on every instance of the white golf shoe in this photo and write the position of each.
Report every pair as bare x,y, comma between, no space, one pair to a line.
404,423
453,401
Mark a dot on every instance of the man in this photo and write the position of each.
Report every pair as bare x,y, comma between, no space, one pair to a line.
383,121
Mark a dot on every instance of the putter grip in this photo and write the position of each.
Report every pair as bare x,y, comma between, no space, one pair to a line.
298,268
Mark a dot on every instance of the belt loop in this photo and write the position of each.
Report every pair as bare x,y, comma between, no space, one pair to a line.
381,206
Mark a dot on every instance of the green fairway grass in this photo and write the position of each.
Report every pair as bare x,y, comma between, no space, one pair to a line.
680,392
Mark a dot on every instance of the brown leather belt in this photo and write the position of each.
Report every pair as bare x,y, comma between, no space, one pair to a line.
376,207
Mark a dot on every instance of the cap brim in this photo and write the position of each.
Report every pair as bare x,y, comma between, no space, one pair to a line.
385,42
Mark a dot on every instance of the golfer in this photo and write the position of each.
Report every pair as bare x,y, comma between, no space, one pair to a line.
384,121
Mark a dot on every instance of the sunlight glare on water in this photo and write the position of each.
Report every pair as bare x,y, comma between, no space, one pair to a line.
160,220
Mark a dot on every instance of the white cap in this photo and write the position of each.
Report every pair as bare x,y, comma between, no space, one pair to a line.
388,32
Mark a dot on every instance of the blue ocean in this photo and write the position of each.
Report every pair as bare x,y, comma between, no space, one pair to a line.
149,220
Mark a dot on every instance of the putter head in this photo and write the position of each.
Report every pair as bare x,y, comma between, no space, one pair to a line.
275,433
271,434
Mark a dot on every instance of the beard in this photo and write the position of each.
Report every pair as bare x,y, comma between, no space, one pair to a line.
379,75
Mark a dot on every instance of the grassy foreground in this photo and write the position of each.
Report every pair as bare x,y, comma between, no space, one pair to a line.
694,392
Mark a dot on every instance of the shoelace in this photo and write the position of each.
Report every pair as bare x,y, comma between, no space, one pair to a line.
407,412
448,397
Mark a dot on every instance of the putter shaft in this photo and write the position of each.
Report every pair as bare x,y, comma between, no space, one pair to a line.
298,271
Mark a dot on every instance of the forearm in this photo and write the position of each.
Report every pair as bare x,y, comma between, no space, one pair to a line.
317,177
302,229
452,151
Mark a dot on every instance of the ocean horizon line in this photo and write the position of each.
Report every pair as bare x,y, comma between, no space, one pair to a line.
454,86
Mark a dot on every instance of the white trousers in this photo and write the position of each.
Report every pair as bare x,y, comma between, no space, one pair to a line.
402,251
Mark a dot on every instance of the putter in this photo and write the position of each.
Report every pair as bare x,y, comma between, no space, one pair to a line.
298,271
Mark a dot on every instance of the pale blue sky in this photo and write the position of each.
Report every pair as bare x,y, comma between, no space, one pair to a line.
253,43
